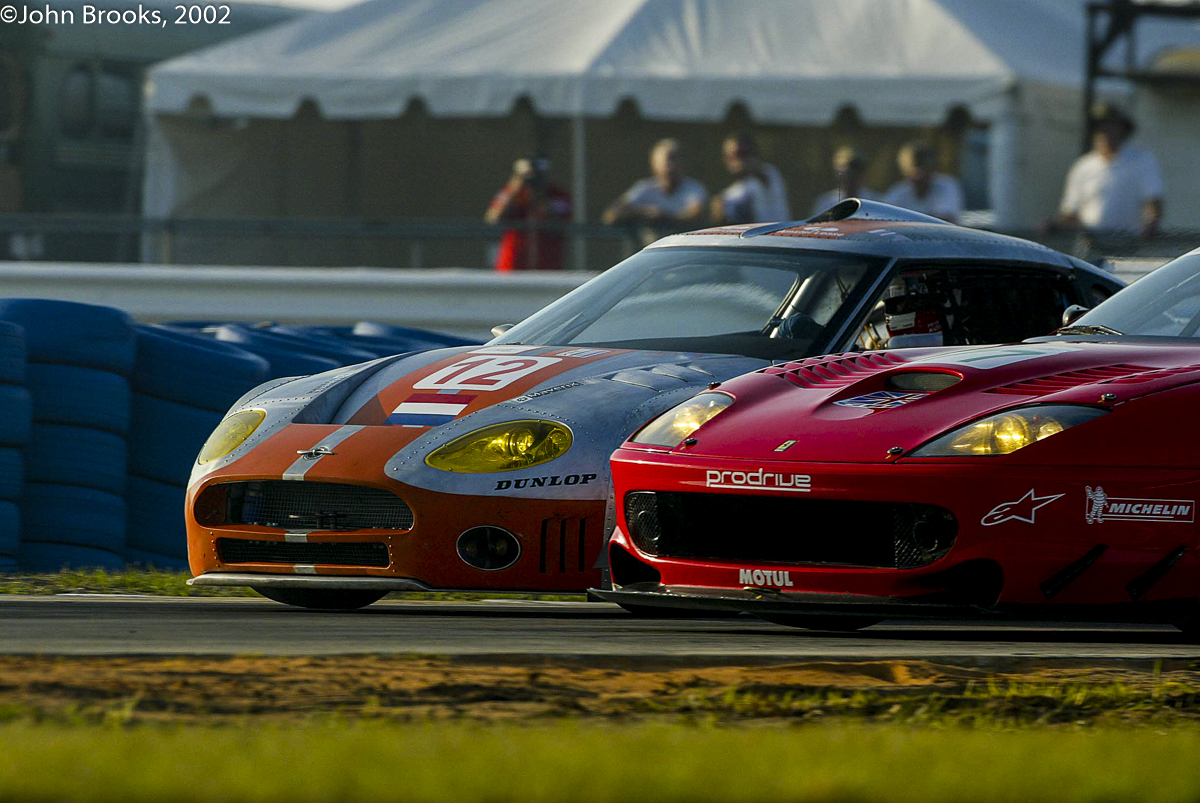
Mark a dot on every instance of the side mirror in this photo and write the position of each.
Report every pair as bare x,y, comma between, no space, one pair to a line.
501,328
1070,314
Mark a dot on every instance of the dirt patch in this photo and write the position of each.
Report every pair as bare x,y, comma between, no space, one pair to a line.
216,689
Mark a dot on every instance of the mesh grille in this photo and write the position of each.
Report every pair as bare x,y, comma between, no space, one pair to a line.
238,550
314,506
767,529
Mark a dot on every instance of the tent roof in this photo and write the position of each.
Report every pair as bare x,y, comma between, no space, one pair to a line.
795,61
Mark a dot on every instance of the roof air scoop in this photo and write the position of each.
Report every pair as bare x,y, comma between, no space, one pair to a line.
858,209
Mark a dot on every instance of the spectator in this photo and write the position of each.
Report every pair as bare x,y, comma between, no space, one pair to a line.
531,200
669,198
758,194
851,170
924,190
1117,187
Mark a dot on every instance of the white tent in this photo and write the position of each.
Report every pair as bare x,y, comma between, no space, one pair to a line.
1014,65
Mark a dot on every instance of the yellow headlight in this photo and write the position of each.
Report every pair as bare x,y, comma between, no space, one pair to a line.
677,424
1005,433
503,447
230,434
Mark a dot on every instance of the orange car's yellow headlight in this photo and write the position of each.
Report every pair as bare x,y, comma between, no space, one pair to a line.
503,447
230,434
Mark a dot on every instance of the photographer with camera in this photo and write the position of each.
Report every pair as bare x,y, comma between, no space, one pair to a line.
538,207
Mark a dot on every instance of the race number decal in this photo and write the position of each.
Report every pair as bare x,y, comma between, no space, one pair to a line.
484,373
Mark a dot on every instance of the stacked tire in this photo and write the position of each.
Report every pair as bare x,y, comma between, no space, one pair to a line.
72,510
183,384
15,423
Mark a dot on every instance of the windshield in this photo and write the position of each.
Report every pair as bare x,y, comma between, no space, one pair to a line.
761,303
1165,303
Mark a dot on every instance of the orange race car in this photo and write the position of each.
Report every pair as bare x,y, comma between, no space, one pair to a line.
487,467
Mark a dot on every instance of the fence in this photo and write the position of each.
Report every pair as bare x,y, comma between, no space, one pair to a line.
378,243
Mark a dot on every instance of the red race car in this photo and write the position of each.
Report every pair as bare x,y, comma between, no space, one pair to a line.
1054,479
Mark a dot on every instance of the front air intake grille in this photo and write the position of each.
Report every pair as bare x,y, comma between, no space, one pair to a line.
238,550
768,529
304,506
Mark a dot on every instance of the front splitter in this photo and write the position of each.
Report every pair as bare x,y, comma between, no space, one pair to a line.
768,603
328,582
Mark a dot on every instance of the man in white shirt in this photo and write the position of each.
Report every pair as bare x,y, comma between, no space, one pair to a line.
668,198
924,190
758,194
851,169
1116,188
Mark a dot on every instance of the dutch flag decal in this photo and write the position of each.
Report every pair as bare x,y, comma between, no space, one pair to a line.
429,409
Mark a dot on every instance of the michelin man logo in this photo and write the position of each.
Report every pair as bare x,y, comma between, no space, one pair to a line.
1097,500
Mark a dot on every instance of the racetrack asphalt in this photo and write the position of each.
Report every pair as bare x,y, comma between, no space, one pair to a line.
515,630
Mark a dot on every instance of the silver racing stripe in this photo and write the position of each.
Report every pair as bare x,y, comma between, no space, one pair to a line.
298,469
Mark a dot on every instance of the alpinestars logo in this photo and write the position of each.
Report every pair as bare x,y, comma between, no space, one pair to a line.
1101,508
1024,509
761,478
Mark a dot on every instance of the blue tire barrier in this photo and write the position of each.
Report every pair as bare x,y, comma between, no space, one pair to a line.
65,514
194,370
80,397
42,557
166,437
12,353
286,359
8,565
64,332
10,530
391,332
152,560
12,474
331,348
16,415
155,521
78,456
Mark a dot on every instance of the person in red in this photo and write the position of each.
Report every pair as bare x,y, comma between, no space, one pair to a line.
530,201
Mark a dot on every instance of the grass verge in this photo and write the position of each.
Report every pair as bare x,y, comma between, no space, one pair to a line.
434,762
162,583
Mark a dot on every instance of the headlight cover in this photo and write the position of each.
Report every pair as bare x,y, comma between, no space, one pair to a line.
677,424
1006,432
503,447
230,434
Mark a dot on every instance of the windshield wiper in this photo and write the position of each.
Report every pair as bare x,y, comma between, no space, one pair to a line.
1089,329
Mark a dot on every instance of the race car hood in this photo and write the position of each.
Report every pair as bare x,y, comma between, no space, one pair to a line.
419,402
867,407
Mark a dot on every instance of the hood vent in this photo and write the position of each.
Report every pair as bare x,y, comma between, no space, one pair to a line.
1055,383
835,371
1152,374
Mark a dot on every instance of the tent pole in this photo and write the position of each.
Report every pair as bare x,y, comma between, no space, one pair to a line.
1003,165
579,187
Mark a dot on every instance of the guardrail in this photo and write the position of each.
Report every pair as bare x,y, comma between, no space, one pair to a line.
459,301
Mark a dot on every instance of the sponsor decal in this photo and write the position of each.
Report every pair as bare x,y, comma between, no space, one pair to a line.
998,356
759,478
761,579
1101,508
547,391
552,481
783,447
1024,509
429,409
882,400
484,373
583,353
